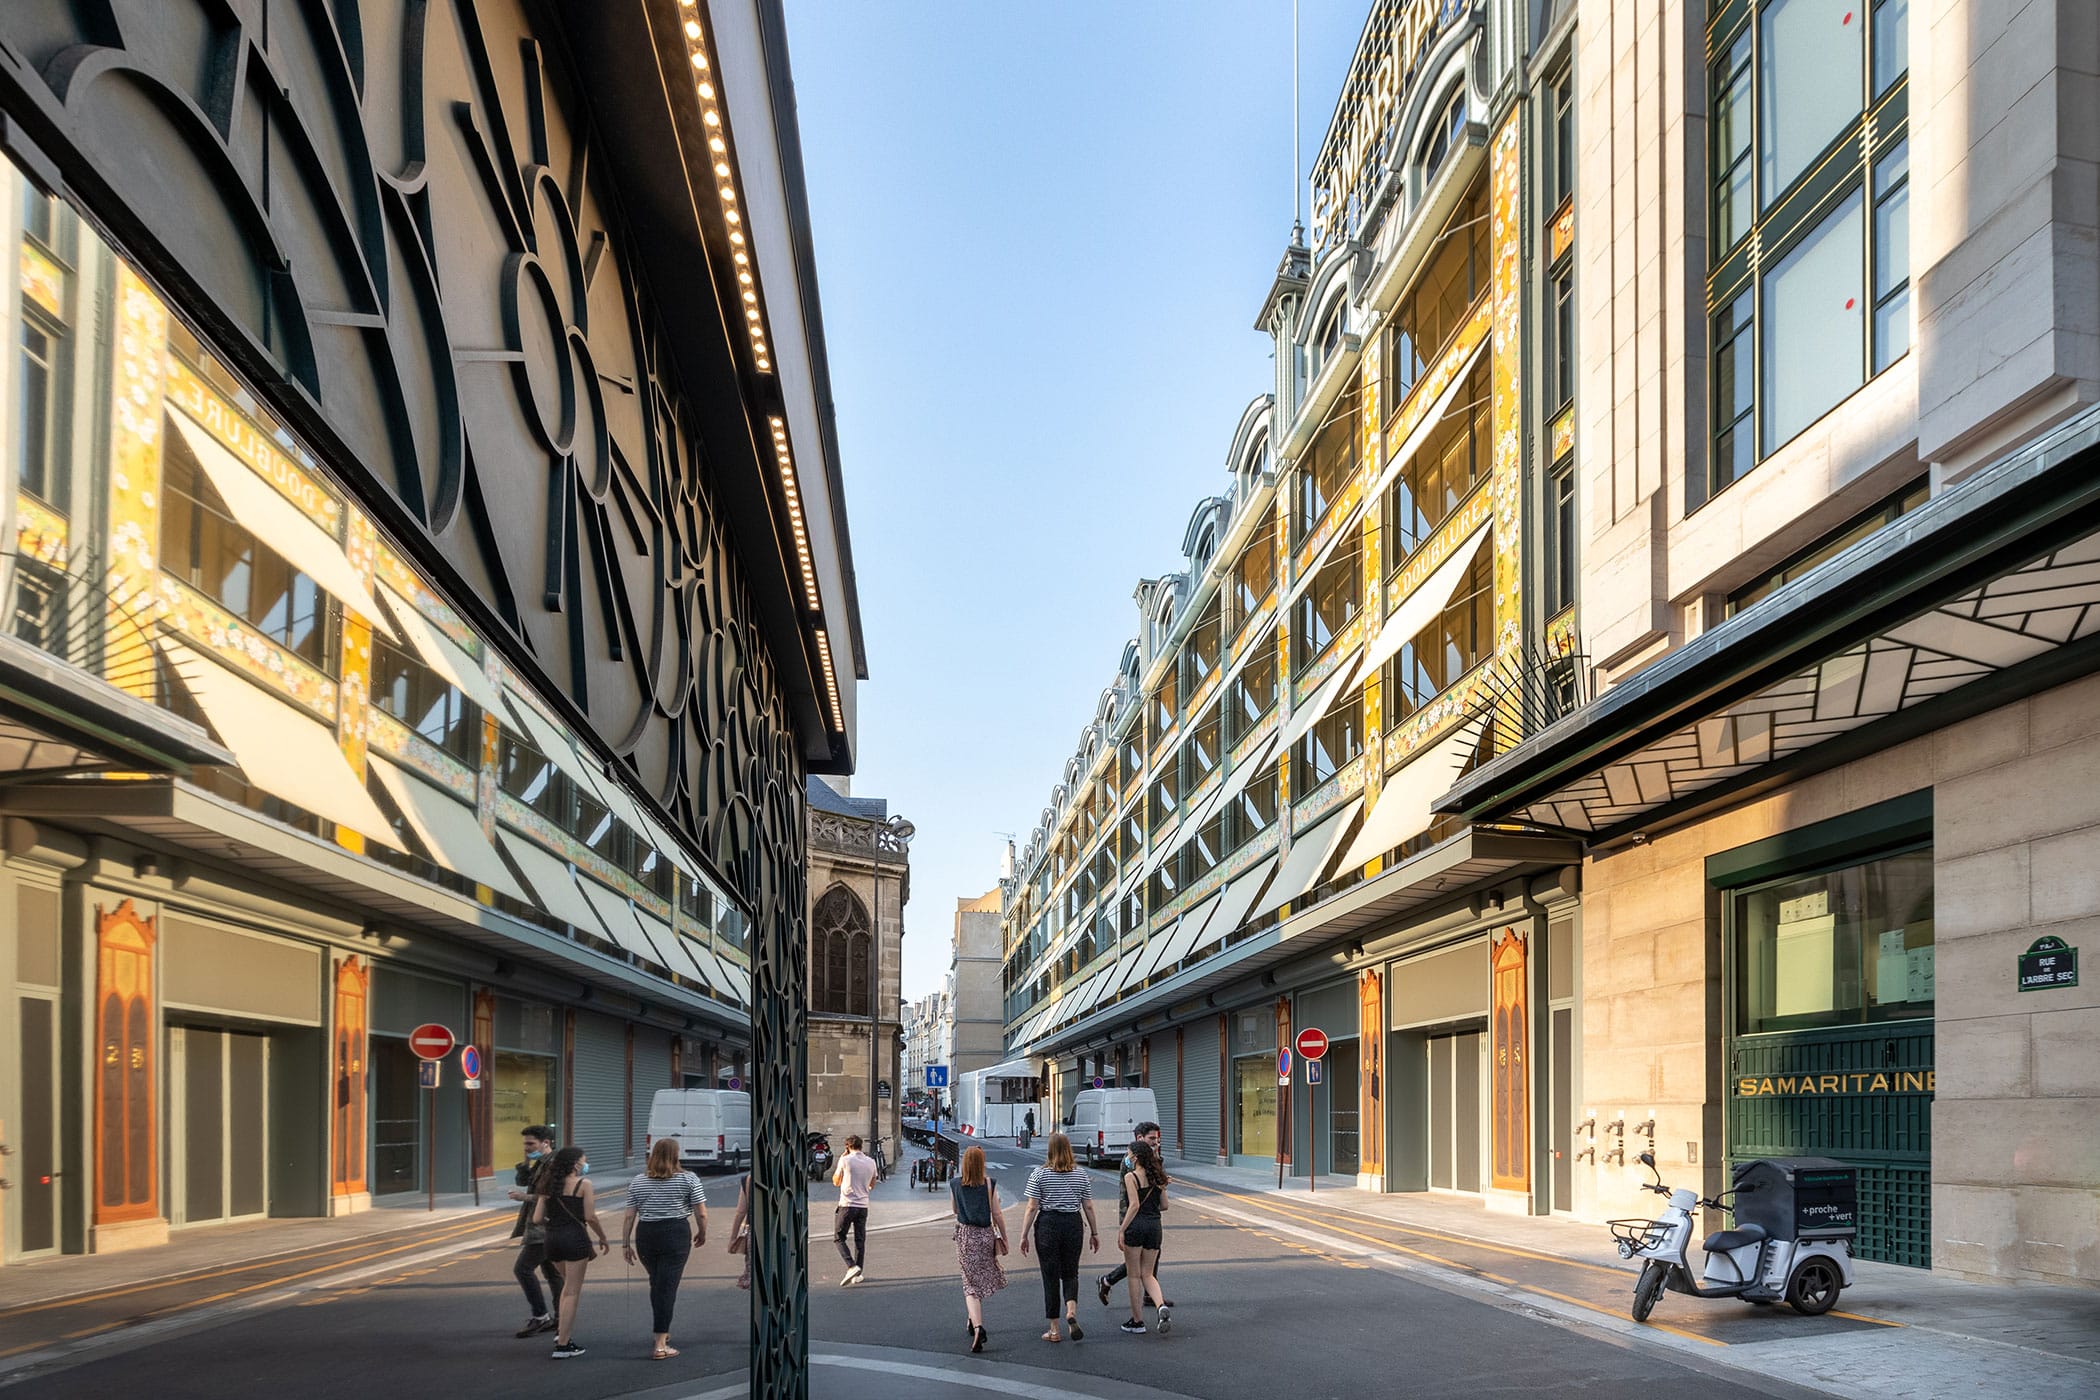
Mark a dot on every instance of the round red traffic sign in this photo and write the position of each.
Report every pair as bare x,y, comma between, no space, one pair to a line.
1312,1043
430,1041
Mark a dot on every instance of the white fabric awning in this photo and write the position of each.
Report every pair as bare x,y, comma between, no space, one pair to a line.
549,740
280,524
448,827
1239,663
1428,422
1233,905
1421,607
618,917
1235,781
552,883
677,953
1318,703
735,980
1147,958
718,973
1402,811
1187,934
443,655
1307,857
279,749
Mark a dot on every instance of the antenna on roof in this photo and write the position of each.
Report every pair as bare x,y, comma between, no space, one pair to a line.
1297,194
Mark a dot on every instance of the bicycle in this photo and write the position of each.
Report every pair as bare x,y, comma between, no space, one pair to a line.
882,1162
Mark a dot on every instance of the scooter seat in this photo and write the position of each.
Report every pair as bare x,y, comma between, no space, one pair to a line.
1734,1239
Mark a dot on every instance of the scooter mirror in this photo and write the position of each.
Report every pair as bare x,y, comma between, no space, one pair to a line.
1646,1159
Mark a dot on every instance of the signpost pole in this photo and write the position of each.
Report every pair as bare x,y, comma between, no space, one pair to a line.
430,1180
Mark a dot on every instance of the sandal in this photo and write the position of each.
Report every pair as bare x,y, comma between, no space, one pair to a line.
1072,1326
663,1353
1052,1337
978,1336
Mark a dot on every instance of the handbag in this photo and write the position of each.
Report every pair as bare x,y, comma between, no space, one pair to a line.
742,1242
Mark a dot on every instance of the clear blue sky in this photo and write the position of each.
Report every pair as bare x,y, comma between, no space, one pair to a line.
1043,231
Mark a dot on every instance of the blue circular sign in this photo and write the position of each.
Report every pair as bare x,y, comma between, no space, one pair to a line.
1283,1063
470,1062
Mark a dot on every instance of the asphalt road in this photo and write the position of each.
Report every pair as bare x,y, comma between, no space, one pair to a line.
1259,1313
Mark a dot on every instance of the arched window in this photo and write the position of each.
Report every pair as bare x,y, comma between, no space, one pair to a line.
1445,131
840,945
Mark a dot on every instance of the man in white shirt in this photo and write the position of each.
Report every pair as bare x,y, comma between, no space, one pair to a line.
853,1175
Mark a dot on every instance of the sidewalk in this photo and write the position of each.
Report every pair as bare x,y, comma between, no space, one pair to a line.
1896,1332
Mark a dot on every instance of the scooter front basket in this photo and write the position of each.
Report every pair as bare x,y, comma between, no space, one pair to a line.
1636,1235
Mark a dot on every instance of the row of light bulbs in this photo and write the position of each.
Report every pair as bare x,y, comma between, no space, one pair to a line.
755,327
718,152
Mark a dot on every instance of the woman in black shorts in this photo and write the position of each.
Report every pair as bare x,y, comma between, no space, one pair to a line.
565,1203
1144,1197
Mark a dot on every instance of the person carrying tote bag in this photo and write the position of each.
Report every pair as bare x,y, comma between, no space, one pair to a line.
980,1238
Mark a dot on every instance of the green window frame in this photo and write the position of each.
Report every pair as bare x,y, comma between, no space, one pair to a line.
1808,217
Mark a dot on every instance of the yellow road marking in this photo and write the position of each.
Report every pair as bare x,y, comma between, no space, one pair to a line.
200,1276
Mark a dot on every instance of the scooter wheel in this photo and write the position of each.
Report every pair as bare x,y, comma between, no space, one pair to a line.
1649,1289
1812,1290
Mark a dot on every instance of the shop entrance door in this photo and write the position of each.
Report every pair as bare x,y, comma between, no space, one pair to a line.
397,1118
32,1137
1456,1068
219,1125
1340,1107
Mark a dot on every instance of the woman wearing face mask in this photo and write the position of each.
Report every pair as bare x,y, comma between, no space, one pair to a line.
565,1203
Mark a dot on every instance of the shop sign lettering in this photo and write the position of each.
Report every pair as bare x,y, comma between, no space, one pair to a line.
1909,1081
1359,146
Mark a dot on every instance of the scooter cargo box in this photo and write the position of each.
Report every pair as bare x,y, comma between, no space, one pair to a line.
1798,1198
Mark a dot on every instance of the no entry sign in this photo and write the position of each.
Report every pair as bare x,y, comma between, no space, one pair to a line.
430,1041
1312,1043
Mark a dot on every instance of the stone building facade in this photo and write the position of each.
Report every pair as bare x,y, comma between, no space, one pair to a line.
859,881
976,1031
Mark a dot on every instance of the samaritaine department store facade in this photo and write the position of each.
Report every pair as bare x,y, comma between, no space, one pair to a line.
1695,745
376,652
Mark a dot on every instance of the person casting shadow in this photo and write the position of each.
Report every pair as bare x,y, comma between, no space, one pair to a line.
565,1203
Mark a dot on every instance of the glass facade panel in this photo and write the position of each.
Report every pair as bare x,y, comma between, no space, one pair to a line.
1810,355
1254,1105
1808,84
1845,947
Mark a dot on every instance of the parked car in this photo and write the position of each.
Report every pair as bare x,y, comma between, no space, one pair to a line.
1103,1119
713,1126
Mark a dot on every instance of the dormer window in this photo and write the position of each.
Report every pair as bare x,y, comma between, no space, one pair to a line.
1328,339
1445,131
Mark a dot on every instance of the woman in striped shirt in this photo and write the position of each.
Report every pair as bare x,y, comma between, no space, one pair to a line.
1058,1195
666,1222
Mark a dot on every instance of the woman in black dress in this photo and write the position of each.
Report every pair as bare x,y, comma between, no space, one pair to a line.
1144,1197
565,1203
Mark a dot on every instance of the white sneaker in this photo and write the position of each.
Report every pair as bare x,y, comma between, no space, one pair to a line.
852,1276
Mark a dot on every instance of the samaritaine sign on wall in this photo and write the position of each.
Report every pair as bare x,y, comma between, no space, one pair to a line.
1361,142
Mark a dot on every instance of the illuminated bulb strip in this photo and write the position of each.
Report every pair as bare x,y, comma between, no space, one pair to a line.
831,681
725,189
794,500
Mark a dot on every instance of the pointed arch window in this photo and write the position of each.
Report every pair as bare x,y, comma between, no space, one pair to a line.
841,946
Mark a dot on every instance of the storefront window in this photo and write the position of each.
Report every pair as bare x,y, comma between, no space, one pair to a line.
1845,947
1254,1124
411,692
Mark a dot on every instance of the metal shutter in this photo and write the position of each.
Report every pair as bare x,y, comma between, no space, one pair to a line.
1200,1090
1164,1083
652,1071
601,1090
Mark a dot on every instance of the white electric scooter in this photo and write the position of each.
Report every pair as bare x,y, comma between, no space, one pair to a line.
1751,1262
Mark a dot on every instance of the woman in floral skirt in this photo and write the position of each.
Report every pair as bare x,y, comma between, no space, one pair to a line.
980,1238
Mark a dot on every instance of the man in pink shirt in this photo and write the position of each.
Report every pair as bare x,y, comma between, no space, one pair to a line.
854,1174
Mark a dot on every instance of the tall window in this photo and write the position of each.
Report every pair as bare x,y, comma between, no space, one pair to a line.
1460,639
1432,310
1445,131
1560,346
531,777
1453,459
1166,708
1326,606
1328,338
1252,693
1560,538
840,945
1253,576
1328,746
1327,468
40,465
204,546
1200,754
1560,119
1199,654
1815,304
426,702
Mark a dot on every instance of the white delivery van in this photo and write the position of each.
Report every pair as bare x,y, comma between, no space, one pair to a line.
1103,1122
713,1126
